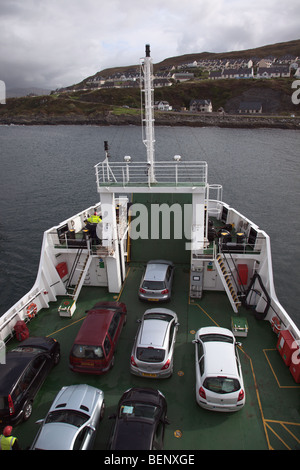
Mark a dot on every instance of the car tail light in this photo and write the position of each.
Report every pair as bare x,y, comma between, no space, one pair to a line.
241,395
10,405
142,291
165,291
202,392
132,361
164,367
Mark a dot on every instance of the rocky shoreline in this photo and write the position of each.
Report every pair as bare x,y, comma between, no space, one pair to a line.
161,119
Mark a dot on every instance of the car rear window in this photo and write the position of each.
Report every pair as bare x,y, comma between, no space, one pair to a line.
153,285
221,384
87,351
150,354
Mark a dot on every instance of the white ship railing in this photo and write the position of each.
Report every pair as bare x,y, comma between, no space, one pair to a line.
135,173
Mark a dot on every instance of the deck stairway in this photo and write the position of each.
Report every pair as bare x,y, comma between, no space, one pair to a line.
226,280
82,266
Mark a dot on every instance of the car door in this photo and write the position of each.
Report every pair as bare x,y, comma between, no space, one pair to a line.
114,329
39,368
199,362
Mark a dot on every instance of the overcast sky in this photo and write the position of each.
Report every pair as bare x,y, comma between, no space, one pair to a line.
55,43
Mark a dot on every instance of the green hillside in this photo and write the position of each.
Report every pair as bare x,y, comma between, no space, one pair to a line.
102,106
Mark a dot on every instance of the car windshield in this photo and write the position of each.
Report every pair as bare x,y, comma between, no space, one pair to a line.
150,354
153,285
158,316
138,410
75,418
216,337
221,384
87,351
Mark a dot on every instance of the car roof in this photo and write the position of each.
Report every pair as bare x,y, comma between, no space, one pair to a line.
94,327
133,434
220,359
156,270
219,355
10,372
153,332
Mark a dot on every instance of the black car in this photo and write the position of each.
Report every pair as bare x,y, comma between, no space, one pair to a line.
24,372
140,421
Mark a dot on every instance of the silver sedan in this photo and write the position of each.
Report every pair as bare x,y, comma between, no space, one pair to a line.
72,421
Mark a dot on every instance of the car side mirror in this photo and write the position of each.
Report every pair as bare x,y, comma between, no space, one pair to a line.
166,421
39,421
177,324
138,320
196,341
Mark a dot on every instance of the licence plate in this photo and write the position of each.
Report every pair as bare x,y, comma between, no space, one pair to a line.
154,300
86,363
148,375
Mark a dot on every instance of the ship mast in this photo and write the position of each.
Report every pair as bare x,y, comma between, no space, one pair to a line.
148,119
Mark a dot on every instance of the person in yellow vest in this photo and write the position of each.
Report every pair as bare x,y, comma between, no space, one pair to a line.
7,441
91,225
94,219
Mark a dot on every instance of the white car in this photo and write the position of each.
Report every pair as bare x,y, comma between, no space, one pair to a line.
72,421
219,379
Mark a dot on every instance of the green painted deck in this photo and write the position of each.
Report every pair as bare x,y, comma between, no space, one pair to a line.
269,419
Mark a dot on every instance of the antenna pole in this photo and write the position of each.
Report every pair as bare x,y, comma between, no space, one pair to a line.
147,81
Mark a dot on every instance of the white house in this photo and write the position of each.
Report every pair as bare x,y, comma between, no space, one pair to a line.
162,106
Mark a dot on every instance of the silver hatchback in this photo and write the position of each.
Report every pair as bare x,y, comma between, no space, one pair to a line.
72,421
156,283
153,349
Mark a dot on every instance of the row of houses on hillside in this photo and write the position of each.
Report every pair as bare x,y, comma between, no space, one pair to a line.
279,71
205,106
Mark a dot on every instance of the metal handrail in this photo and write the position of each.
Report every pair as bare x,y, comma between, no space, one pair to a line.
129,173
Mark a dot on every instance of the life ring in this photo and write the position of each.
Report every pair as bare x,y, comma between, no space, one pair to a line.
276,325
31,310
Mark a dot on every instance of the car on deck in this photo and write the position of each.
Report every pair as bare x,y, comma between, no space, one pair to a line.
156,283
140,420
72,420
219,379
24,372
93,351
152,354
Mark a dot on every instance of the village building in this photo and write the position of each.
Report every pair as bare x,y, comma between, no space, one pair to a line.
201,106
250,107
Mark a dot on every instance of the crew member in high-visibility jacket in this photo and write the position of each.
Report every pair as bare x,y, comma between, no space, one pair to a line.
92,223
7,441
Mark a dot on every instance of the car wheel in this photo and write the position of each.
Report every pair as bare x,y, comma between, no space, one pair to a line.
56,358
27,410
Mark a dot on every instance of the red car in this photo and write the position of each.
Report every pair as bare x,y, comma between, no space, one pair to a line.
94,347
